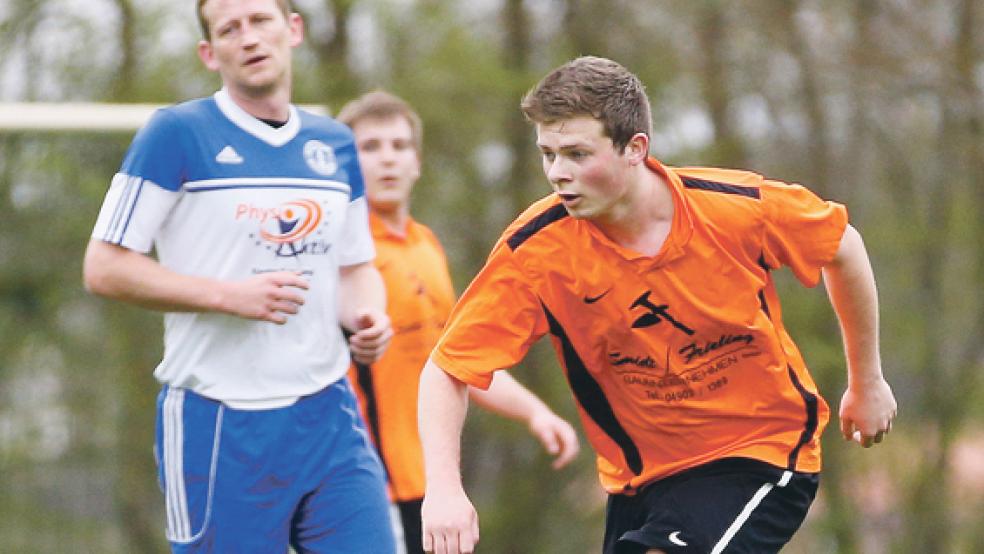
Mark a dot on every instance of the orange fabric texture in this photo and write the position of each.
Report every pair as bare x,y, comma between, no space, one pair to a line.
675,359
419,297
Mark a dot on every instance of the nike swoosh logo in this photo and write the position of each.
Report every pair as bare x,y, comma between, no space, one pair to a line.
675,539
593,299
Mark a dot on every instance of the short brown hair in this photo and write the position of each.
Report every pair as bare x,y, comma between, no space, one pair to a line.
380,104
284,6
595,87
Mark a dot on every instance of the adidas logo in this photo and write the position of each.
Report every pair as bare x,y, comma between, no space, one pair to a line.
228,155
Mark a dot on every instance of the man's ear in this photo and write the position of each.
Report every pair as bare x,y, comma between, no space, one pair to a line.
207,55
637,149
296,24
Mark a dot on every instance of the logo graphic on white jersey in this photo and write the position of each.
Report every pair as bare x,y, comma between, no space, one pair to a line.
675,539
228,155
290,230
293,221
320,157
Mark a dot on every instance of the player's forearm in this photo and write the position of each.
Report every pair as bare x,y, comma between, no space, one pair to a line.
507,397
122,274
360,289
851,287
442,406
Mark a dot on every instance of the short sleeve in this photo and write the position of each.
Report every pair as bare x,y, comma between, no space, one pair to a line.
157,153
493,324
802,231
148,184
350,163
355,244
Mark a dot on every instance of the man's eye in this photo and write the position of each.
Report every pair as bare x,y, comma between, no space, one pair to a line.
549,156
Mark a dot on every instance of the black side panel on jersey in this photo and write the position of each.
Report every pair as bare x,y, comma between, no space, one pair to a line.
812,417
589,395
548,216
364,381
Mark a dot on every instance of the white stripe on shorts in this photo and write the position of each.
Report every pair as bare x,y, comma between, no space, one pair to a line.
176,500
176,503
746,512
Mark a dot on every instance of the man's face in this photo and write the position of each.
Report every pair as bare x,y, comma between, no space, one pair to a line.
250,44
389,160
582,166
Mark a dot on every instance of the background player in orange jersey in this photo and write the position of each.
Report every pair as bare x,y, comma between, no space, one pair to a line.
388,136
656,287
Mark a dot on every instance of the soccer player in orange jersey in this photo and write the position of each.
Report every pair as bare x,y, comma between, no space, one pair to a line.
419,297
655,285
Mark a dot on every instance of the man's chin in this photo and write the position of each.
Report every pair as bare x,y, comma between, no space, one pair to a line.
576,213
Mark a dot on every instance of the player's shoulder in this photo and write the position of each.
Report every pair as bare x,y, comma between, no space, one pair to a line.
539,216
191,110
325,124
419,229
190,115
713,179
735,181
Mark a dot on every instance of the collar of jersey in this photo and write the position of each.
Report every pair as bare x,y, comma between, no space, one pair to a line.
242,119
683,219
381,231
681,229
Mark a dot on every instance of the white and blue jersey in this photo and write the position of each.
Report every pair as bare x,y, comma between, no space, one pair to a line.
220,194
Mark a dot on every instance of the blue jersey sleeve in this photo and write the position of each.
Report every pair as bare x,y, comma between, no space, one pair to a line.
348,158
157,152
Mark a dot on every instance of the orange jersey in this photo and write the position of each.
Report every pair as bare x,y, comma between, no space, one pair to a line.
675,359
419,297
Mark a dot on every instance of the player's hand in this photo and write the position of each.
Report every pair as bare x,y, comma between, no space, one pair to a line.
371,337
867,412
450,522
264,297
556,435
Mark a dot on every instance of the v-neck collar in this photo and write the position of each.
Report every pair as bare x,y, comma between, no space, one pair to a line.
247,122
681,228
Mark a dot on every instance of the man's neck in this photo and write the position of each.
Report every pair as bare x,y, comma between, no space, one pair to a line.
643,219
274,106
394,220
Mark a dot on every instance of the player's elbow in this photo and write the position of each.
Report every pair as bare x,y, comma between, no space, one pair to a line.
96,275
94,280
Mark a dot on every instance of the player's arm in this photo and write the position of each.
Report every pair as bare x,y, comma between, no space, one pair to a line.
507,397
868,406
122,274
362,310
450,522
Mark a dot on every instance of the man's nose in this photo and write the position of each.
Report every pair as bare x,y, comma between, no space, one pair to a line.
248,37
556,172
388,154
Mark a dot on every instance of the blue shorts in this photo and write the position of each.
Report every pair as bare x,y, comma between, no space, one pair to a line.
257,480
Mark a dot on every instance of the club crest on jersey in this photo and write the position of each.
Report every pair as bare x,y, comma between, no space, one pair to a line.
320,157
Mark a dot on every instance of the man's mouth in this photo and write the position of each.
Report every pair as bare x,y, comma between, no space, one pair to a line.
253,60
568,196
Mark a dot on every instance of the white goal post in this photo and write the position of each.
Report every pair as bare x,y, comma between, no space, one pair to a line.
62,117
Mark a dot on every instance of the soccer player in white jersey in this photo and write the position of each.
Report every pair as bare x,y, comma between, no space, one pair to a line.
258,217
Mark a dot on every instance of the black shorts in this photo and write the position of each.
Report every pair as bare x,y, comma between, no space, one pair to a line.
735,505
